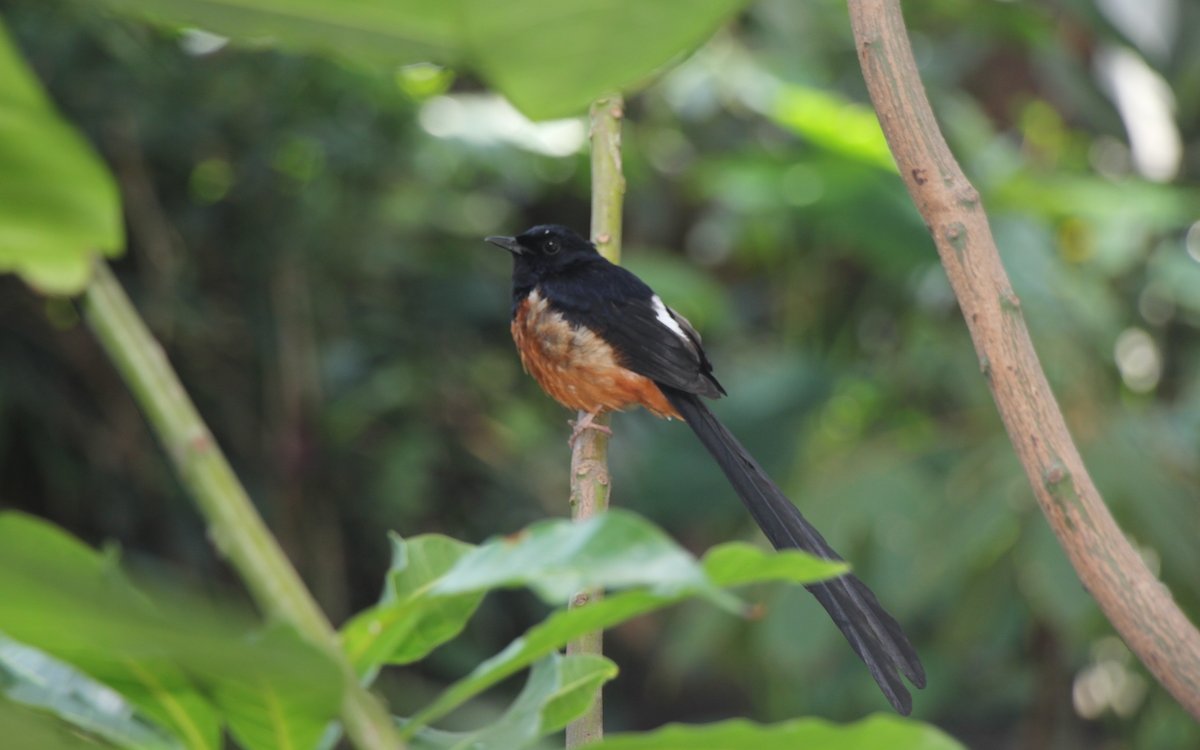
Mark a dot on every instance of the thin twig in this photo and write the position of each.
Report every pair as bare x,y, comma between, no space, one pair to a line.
589,459
1135,602
234,525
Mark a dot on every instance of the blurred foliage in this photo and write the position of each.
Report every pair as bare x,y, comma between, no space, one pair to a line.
178,662
304,239
48,231
541,54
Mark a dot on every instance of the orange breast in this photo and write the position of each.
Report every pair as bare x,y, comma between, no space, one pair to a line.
576,367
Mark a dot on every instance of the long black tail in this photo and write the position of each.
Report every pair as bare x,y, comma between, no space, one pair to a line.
873,634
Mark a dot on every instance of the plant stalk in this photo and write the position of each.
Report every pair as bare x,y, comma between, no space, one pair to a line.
590,483
234,524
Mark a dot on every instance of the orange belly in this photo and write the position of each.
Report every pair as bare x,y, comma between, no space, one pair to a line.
576,367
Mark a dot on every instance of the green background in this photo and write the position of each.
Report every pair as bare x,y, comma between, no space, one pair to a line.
308,250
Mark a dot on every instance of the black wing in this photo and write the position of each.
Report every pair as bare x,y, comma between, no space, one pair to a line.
650,338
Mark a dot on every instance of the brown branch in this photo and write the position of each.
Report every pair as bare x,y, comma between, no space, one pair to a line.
1135,602
589,455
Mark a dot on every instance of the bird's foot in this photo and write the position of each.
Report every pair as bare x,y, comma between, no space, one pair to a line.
586,423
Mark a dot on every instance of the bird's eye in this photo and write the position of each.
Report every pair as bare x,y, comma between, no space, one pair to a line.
552,247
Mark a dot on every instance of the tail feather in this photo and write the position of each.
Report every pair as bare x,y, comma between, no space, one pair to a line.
873,634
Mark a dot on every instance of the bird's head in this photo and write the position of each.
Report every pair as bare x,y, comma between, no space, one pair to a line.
544,249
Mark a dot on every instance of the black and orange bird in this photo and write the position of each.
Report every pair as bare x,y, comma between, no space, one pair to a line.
597,339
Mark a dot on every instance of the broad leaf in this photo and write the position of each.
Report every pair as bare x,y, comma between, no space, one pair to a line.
550,58
879,732
560,558
59,205
436,583
731,564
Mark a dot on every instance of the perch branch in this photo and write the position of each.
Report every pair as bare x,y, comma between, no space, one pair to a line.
235,526
589,457
1135,602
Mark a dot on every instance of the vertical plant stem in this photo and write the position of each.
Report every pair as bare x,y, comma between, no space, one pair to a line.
590,482
235,526
1137,604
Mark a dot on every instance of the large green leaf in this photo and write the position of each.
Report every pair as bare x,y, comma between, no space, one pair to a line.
51,583
166,653
559,689
550,58
436,583
31,678
731,564
58,203
880,732
560,558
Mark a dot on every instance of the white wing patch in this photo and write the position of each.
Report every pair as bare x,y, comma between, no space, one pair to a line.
664,316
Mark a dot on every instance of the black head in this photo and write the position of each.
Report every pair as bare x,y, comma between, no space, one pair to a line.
545,248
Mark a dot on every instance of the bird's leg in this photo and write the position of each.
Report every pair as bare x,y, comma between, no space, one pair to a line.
586,423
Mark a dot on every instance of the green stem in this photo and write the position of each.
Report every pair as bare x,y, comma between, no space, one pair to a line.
235,526
589,459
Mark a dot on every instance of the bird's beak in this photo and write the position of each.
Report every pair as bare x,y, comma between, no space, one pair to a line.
508,243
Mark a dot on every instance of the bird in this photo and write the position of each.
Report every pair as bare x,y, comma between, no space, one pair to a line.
597,339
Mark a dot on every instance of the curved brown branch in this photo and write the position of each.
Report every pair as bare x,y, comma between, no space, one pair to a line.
1135,602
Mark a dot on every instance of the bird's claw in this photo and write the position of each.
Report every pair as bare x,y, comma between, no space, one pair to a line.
586,423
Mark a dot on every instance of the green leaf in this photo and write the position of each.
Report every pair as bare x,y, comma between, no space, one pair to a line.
559,690
579,679
616,548
436,583
552,58
879,732
738,563
59,205
33,679
548,57
409,623
560,558
162,653
52,582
